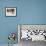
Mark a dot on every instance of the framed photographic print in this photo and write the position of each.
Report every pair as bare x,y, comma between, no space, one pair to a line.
10,11
33,32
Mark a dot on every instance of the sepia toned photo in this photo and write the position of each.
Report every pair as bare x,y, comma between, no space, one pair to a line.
11,11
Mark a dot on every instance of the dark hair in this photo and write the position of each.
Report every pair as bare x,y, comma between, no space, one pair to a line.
10,10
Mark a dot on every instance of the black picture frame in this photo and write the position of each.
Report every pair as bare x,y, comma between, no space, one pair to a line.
10,10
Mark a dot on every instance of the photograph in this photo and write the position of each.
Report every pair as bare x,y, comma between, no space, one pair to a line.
29,34
11,11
